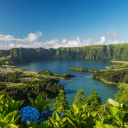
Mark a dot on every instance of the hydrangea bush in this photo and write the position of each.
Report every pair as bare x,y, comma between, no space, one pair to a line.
29,114
115,115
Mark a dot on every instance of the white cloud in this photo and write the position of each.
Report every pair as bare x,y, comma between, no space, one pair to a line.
8,41
86,42
55,43
64,40
111,33
30,38
67,43
103,39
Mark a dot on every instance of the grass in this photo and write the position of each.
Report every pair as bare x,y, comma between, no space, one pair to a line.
30,73
13,84
116,61
16,84
120,66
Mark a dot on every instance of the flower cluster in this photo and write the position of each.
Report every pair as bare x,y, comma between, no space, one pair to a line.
46,114
29,114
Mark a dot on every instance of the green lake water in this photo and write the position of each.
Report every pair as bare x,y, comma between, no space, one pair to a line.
71,86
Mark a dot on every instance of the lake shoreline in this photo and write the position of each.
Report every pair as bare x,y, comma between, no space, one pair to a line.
108,82
81,80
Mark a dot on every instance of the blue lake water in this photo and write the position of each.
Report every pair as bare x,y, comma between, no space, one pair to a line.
71,86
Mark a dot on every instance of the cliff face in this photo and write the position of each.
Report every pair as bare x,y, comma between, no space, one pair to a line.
18,55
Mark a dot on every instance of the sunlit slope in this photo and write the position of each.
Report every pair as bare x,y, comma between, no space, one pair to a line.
109,52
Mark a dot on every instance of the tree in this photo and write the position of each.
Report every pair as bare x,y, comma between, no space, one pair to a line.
61,103
80,98
94,100
122,95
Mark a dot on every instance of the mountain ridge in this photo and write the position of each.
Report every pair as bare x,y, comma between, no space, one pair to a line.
104,52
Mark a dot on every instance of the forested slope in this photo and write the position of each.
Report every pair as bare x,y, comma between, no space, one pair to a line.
19,55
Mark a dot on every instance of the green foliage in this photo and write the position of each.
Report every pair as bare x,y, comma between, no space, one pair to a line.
8,105
48,73
112,102
10,77
94,100
75,117
39,103
47,86
79,117
9,114
61,103
10,118
122,96
45,72
118,116
2,86
109,52
36,125
10,126
80,98
114,76
80,69
66,76
56,122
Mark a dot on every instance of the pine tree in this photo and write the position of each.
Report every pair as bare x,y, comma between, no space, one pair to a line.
80,98
61,103
94,100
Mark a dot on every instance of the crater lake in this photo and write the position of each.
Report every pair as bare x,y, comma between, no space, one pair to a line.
71,86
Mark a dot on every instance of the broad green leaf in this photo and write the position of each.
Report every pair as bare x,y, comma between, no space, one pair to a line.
2,124
1,96
109,126
75,108
11,126
113,110
121,114
112,102
84,107
125,118
68,113
32,101
94,113
89,120
39,103
70,122
12,117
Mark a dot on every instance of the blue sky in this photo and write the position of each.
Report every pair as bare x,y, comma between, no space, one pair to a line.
62,23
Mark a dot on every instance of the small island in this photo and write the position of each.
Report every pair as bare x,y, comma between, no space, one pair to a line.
81,69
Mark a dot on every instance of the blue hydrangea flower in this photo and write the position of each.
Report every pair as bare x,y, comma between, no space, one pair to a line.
46,114
29,114
42,120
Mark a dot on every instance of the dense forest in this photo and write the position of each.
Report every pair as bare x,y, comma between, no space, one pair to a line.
80,69
112,76
19,55
48,87
19,84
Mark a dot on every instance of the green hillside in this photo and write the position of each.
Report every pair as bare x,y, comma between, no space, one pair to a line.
109,52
